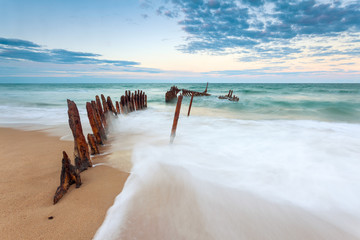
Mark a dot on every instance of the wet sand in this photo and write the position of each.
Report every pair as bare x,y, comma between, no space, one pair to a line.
30,173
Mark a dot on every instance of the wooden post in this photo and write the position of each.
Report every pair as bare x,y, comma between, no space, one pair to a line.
176,118
69,175
81,149
192,96
206,87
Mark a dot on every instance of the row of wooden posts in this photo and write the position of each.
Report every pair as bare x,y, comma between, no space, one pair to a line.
100,114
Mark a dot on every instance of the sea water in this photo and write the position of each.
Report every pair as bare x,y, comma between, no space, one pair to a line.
289,144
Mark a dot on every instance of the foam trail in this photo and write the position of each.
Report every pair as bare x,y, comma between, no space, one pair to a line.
211,183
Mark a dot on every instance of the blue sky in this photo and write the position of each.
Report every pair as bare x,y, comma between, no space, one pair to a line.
180,40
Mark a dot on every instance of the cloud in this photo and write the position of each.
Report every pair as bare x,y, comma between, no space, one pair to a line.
278,71
219,26
17,43
145,4
17,49
144,16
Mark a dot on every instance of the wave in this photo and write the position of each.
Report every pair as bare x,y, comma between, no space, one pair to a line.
207,180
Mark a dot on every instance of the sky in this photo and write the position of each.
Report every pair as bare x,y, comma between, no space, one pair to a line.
252,41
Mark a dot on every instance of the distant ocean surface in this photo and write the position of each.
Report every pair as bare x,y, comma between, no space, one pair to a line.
292,144
29,103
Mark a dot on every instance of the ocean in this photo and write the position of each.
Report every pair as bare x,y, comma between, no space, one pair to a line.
294,145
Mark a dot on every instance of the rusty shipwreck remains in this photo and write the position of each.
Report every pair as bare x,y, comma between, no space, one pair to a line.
100,115
171,95
230,96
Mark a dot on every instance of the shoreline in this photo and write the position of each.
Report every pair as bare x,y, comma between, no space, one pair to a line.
31,166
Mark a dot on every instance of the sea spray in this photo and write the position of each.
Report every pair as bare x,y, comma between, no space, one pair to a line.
307,164
164,201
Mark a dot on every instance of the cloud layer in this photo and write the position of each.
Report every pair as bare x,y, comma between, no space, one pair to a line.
17,49
221,26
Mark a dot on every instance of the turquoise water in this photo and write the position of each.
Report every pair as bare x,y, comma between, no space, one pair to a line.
324,102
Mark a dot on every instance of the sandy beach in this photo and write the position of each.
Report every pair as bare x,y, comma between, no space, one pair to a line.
31,165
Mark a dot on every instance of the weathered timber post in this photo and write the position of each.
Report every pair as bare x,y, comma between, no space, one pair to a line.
111,105
93,122
92,143
99,123
101,112
81,149
176,118
104,103
69,175
117,107
207,84
192,97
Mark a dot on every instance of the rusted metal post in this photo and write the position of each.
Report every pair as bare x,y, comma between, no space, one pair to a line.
176,118
93,122
192,97
111,105
100,124
81,148
145,104
69,175
92,144
101,112
105,105
117,107
122,104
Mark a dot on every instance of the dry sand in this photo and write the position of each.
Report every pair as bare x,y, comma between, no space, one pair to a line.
30,173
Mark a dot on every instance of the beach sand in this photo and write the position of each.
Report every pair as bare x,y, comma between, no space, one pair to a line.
30,173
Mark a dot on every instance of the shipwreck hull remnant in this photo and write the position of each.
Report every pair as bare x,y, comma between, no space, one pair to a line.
171,95
69,175
100,113
230,96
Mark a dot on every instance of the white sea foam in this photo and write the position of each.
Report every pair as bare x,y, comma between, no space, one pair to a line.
308,164
53,120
